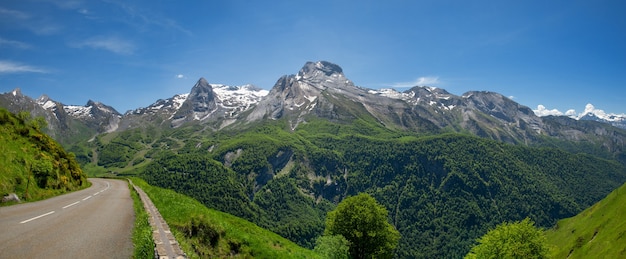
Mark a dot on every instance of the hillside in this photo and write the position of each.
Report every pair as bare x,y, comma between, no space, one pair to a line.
599,231
207,233
32,164
442,191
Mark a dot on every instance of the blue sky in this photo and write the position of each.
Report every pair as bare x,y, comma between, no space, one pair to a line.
127,54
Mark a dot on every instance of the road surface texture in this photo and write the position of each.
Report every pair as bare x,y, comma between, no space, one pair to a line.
93,223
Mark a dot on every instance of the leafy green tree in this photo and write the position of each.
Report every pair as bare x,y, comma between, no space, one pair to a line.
512,240
363,222
333,247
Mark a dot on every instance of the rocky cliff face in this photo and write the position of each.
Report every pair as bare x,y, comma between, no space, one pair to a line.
199,105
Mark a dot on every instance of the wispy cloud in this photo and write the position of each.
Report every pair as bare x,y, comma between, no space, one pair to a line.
13,14
13,44
141,18
112,44
422,81
38,24
67,4
180,76
10,67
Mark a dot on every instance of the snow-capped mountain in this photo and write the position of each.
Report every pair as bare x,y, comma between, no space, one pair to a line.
591,113
320,90
205,102
65,122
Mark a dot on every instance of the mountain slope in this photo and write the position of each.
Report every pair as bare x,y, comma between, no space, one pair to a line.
32,164
599,231
442,191
207,233
68,124
214,104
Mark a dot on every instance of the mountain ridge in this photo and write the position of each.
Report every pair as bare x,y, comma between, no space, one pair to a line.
319,90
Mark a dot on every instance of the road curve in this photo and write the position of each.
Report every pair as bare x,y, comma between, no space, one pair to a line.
93,223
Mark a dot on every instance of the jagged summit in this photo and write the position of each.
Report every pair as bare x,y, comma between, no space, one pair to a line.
313,68
202,96
321,74
17,92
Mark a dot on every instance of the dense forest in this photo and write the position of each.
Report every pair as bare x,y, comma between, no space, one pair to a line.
442,191
32,164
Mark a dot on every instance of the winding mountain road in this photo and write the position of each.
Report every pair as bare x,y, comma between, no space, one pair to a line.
91,223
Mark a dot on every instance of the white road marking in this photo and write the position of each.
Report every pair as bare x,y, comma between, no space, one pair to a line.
31,219
87,198
67,206
96,193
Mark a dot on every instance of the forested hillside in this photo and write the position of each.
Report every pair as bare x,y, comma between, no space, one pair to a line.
32,164
442,191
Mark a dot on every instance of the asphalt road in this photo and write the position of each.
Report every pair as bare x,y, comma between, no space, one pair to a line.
92,223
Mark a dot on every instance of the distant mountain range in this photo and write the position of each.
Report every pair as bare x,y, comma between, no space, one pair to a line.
447,167
319,90
593,114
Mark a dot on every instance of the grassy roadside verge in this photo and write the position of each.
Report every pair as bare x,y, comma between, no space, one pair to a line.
142,231
207,233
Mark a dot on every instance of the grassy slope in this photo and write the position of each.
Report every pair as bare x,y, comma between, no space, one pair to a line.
217,234
597,232
32,164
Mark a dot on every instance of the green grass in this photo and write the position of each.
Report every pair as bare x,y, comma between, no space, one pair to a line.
207,233
32,164
142,231
597,232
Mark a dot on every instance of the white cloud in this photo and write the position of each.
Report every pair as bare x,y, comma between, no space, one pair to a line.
589,108
8,67
422,81
543,111
113,44
180,76
511,97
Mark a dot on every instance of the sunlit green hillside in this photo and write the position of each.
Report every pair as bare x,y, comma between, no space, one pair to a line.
33,165
597,232
207,233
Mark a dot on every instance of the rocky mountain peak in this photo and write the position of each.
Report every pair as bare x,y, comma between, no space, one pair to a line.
202,97
199,104
17,92
102,109
325,67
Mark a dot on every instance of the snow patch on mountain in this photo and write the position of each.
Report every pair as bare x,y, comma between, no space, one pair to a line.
242,97
391,93
78,111
179,99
